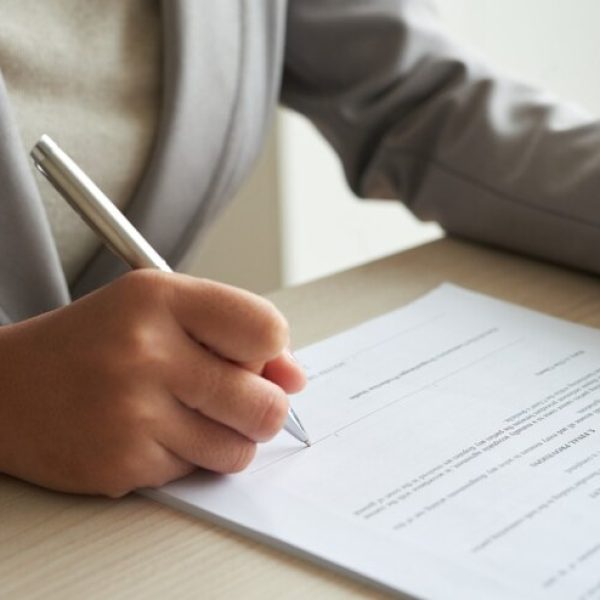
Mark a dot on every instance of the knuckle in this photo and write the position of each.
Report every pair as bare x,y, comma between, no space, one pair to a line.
272,414
143,281
144,346
241,457
273,329
134,419
141,415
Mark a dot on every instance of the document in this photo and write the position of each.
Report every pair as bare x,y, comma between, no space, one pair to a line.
456,454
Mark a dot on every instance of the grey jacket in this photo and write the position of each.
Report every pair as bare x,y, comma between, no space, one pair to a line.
412,115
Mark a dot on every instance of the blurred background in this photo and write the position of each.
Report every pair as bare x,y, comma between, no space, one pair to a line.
296,220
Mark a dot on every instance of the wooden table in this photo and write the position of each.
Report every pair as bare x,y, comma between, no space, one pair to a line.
58,546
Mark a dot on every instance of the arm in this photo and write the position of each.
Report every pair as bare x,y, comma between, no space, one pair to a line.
414,116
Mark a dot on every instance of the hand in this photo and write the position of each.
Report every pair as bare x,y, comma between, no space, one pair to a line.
141,382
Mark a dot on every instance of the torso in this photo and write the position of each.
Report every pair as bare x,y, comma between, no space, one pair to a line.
89,75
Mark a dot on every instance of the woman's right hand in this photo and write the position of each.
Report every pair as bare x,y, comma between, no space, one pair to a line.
141,382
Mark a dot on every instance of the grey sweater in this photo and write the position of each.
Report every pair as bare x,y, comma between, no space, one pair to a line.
96,85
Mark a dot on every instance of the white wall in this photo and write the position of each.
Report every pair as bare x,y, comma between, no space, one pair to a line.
552,43
243,247
325,228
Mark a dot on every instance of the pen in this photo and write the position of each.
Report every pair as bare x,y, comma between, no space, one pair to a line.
111,225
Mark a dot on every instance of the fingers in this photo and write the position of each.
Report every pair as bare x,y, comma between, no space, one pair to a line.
198,440
227,393
145,463
234,323
166,466
285,372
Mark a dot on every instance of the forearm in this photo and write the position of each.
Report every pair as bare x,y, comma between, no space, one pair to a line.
415,116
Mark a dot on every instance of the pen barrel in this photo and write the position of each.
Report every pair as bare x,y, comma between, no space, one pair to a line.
103,217
94,207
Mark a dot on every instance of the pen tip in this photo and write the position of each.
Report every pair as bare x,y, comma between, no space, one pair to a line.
307,443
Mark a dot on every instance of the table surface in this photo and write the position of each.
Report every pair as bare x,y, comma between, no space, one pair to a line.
58,546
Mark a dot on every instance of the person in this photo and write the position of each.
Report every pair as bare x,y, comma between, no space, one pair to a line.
110,381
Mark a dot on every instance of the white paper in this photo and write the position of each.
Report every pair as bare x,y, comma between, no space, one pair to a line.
456,454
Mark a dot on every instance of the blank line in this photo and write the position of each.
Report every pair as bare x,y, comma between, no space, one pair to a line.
380,343
428,385
280,458
389,339
417,391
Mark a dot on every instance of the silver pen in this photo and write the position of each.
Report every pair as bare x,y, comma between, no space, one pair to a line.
110,224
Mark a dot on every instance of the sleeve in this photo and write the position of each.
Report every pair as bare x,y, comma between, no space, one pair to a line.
415,116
